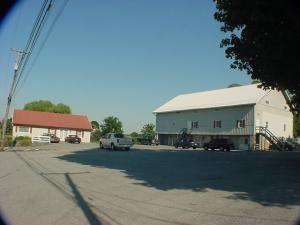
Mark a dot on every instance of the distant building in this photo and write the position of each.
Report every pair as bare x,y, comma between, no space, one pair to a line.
33,123
246,115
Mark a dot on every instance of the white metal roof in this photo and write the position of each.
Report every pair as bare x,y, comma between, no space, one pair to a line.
243,95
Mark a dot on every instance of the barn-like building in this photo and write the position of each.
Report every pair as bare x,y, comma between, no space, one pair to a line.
250,116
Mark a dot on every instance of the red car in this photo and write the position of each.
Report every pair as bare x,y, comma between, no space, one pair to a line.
73,139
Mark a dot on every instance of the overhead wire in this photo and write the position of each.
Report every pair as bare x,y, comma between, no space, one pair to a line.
36,31
57,16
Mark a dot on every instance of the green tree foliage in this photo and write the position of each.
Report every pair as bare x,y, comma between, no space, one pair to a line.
255,82
134,136
47,106
9,127
111,124
62,108
95,125
264,41
96,135
296,126
234,85
148,130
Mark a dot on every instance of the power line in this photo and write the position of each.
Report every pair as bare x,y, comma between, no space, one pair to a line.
22,58
36,31
57,16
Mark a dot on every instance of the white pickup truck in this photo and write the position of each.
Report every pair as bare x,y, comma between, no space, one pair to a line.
115,141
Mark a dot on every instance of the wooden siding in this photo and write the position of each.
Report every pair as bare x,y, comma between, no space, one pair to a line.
173,122
273,110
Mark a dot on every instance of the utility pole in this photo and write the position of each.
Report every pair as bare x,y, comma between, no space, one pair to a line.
11,92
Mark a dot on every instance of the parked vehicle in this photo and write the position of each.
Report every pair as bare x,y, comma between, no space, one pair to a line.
185,140
155,141
288,145
73,139
148,140
186,143
53,138
115,141
220,143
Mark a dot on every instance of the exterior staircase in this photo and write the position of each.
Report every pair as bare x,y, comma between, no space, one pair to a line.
275,141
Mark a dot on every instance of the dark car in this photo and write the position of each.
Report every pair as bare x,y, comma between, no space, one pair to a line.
288,145
155,141
147,140
186,143
53,138
73,139
221,143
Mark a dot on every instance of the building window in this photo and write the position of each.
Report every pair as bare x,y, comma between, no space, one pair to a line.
195,124
51,131
267,124
284,127
267,102
78,133
217,124
23,129
240,124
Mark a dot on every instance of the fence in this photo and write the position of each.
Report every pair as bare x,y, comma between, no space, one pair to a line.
41,139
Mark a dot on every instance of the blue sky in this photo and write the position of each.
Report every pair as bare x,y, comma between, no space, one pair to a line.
119,58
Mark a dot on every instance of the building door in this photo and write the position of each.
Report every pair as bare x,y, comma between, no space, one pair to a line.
63,134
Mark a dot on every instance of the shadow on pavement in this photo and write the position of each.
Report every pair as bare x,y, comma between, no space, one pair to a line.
269,178
90,216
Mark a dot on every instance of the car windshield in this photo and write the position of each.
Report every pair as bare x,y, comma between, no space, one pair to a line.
119,135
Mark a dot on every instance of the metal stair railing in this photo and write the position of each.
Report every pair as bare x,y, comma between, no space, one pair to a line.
270,136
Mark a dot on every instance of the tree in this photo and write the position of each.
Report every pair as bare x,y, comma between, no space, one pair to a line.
96,135
296,126
62,108
111,124
134,136
234,85
95,125
9,127
47,106
264,41
148,130
255,82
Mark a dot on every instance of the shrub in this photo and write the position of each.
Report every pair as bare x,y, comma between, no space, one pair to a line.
7,141
22,141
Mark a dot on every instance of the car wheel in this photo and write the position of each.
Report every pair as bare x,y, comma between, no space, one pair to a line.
228,149
194,147
101,145
127,149
221,149
112,147
205,148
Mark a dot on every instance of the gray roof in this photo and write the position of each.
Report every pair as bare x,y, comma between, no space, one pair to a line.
243,95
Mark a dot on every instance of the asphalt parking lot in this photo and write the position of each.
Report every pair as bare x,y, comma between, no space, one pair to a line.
81,184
